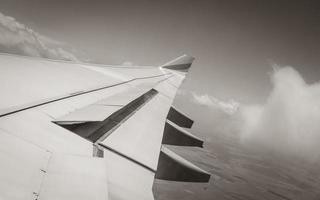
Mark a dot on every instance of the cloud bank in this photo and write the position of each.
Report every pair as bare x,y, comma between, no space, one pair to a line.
288,123
289,120
17,38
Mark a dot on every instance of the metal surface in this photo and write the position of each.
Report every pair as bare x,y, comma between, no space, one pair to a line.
92,112
140,136
175,168
21,167
37,128
127,180
42,160
176,135
166,89
123,98
179,118
71,177
182,63
27,80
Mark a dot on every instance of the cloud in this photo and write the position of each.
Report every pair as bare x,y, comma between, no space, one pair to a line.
19,39
289,120
229,107
288,123
127,63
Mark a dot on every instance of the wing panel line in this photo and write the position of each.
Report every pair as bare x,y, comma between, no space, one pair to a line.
44,102
127,157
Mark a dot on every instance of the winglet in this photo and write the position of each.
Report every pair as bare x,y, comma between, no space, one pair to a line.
182,63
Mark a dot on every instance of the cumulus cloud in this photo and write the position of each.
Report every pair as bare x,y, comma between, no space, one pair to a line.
286,124
229,107
19,39
289,120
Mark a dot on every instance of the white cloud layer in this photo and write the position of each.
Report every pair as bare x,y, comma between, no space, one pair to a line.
229,107
289,120
18,38
288,123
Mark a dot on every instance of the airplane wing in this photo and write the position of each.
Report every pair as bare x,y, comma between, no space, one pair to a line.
81,131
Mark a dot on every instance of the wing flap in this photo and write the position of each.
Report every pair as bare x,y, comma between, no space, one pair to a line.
140,136
127,180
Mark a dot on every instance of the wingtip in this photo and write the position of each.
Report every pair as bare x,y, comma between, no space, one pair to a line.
182,63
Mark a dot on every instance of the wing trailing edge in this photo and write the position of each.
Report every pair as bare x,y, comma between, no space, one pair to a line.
171,166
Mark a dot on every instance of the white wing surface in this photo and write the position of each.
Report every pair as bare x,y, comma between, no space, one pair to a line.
80,131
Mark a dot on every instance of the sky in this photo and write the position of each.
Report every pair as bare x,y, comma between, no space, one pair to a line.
235,42
256,73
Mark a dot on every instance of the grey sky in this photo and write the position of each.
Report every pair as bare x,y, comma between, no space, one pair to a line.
234,41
